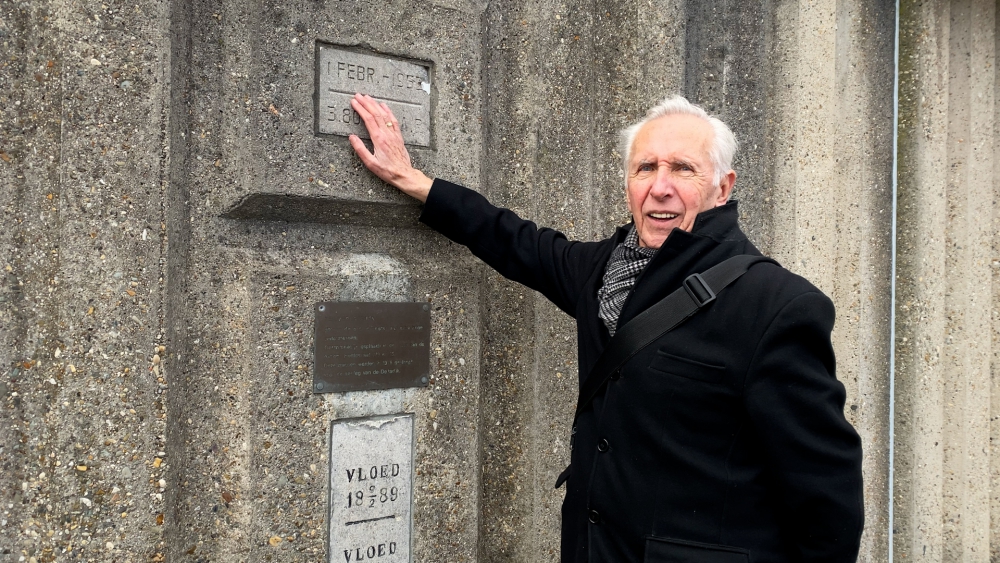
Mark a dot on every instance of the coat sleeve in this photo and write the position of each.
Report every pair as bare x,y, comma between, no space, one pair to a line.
539,258
796,404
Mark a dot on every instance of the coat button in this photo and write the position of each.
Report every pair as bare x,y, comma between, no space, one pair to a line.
595,517
603,445
615,375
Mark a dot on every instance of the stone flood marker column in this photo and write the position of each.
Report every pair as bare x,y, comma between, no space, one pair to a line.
371,346
371,489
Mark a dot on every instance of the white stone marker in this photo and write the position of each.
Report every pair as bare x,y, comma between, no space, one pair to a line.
404,86
371,489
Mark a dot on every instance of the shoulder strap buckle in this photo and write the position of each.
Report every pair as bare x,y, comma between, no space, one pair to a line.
699,290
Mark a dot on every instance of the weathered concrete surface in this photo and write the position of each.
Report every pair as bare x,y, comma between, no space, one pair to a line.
84,97
170,219
561,80
250,436
829,214
946,500
807,87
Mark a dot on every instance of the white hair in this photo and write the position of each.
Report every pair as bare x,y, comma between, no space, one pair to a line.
723,143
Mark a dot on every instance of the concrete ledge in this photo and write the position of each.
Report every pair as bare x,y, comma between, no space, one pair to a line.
332,211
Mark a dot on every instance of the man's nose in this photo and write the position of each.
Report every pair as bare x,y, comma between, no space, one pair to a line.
663,184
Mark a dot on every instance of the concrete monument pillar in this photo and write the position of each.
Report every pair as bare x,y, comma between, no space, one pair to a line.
178,197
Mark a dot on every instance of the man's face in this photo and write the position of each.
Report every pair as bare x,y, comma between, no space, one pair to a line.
670,177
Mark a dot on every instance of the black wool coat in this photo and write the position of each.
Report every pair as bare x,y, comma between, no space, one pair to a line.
722,442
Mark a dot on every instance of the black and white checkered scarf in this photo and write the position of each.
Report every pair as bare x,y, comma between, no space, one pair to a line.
626,263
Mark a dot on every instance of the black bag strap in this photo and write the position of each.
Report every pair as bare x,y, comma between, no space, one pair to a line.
697,291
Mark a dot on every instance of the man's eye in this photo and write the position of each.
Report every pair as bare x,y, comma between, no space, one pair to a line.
645,167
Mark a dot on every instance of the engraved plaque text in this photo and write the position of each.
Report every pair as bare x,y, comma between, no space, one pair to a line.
371,489
362,346
404,86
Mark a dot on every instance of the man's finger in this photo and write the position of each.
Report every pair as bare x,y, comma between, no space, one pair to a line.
377,116
368,102
359,105
367,158
379,110
374,108
390,117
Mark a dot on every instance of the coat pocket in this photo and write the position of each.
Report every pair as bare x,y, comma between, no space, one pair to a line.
686,367
664,550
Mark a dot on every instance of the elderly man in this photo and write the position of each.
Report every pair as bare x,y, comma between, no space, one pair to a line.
721,440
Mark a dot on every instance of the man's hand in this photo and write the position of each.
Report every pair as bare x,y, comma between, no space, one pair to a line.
390,161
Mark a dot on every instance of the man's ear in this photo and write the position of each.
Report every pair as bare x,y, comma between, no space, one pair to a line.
726,187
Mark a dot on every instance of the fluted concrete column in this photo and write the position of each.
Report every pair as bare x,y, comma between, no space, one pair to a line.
84,104
560,81
831,204
946,503
807,87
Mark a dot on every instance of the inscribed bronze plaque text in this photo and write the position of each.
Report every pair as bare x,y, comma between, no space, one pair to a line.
363,346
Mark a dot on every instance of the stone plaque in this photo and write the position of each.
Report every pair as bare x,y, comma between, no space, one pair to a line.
404,86
361,346
371,489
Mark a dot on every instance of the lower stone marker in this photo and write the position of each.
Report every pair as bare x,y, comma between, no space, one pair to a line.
371,489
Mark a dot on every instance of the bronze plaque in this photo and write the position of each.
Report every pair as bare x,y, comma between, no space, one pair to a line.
361,346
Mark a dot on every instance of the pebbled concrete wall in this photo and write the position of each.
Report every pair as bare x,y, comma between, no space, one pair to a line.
946,501
561,80
249,436
830,217
169,219
84,168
